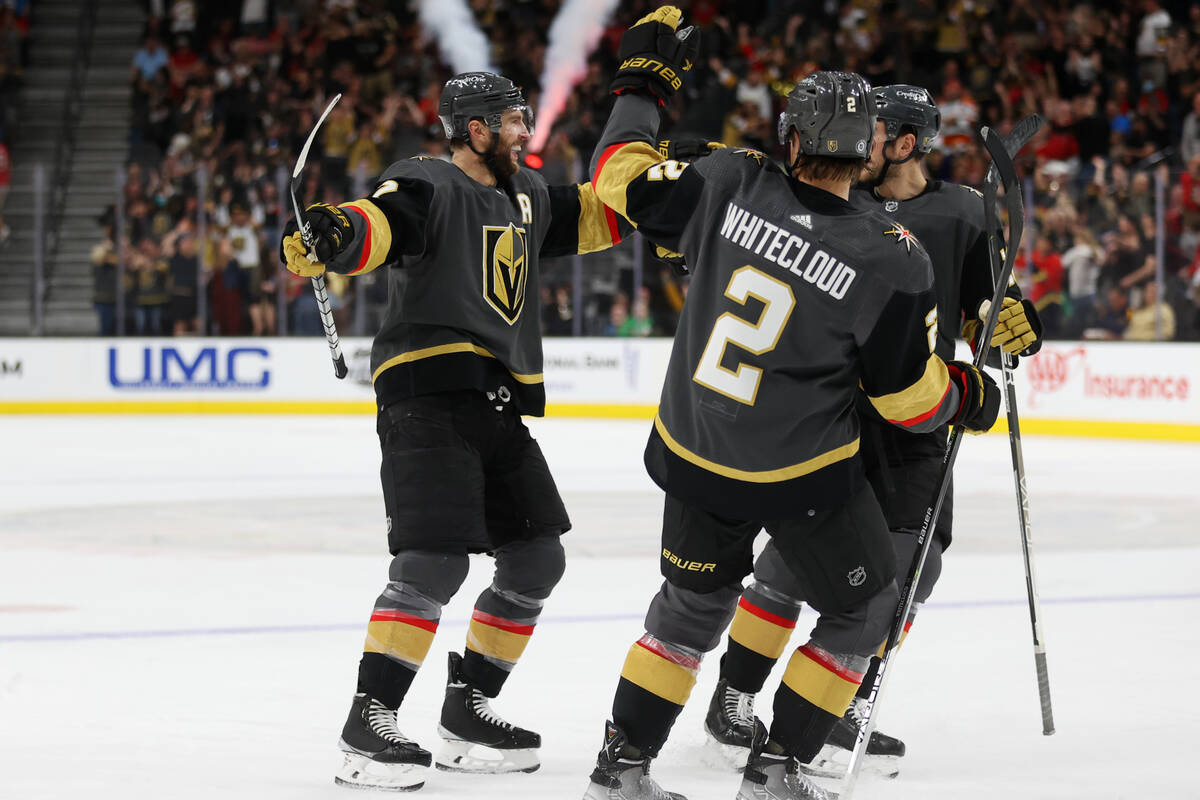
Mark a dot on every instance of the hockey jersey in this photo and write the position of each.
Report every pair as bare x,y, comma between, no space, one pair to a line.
464,260
797,299
949,219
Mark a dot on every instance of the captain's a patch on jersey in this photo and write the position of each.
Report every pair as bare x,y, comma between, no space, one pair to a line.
902,234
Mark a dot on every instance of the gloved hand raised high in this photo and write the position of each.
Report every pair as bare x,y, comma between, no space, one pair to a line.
654,55
331,231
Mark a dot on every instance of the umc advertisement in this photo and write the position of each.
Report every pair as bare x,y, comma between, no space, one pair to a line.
1127,390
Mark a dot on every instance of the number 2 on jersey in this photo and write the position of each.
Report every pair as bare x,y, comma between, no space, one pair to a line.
760,337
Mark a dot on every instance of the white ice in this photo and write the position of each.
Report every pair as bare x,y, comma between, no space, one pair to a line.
183,601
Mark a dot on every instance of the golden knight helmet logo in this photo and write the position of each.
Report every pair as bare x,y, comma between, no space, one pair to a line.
505,270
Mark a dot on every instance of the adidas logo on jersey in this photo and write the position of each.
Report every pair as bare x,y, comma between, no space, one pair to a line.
803,219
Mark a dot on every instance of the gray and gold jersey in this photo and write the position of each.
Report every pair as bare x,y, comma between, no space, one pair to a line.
797,299
463,307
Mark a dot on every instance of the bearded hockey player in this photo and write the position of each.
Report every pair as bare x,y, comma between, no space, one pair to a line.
456,362
796,298
902,466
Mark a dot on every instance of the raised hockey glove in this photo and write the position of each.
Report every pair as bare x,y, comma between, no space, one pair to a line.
331,232
672,259
1018,328
653,55
980,404
687,149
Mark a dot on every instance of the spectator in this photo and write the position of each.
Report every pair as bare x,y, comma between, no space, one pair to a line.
618,315
149,60
1144,322
1189,141
104,282
181,248
1113,316
1081,262
1047,280
558,318
255,287
152,292
639,323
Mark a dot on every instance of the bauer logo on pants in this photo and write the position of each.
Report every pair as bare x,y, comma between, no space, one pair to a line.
505,270
856,576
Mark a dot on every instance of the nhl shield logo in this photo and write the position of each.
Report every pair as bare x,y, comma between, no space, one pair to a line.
856,576
505,270
890,206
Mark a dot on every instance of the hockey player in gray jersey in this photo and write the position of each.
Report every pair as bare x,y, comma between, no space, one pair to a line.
797,299
456,362
902,466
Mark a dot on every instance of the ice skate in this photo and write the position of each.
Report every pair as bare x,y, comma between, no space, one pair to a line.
623,773
730,726
776,776
476,738
883,752
376,754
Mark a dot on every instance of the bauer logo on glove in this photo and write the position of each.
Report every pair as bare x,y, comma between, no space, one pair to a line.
654,54
330,231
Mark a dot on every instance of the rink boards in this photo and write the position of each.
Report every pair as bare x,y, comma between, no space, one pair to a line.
1101,389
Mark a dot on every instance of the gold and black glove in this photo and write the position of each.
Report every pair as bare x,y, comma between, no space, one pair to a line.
331,234
654,55
687,149
1018,328
980,403
672,259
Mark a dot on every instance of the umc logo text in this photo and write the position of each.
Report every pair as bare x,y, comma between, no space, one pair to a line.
166,367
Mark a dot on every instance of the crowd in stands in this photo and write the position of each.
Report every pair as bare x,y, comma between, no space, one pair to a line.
14,57
225,94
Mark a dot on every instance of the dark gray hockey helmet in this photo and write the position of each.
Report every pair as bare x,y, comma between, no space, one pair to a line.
834,114
902,105
479,95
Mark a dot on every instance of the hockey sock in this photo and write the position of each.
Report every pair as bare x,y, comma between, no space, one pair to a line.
815,692
762,624
500,628
656,681
398,639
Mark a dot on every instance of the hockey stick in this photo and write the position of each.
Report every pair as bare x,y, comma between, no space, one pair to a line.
1007,174
1022,486
318,282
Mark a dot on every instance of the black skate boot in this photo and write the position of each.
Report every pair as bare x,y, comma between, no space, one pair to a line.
623,773
377,754
469,723
772,774
731,725
883,752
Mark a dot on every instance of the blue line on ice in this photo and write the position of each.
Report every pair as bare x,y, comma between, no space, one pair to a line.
285,629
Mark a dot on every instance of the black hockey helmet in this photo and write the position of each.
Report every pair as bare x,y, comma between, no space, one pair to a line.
901,106
479,95
834,114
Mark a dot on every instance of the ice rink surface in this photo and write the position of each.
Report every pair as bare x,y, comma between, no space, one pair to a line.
183,602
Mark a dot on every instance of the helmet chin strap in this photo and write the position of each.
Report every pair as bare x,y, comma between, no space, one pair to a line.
888,162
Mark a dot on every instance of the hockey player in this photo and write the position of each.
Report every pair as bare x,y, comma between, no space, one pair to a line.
796,298
456,362
902,466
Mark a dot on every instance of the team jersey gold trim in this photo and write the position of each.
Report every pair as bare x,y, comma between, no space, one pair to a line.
756,476
920,398
443,349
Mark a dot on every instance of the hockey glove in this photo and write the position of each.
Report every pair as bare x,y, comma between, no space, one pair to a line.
331,233
1018,327
980,403
653,55
671,259
687,149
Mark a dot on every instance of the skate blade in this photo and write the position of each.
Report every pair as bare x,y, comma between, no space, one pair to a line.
719,755
360,772
459,756
831,764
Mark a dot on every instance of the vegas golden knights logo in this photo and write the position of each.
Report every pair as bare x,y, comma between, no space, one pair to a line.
505,269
